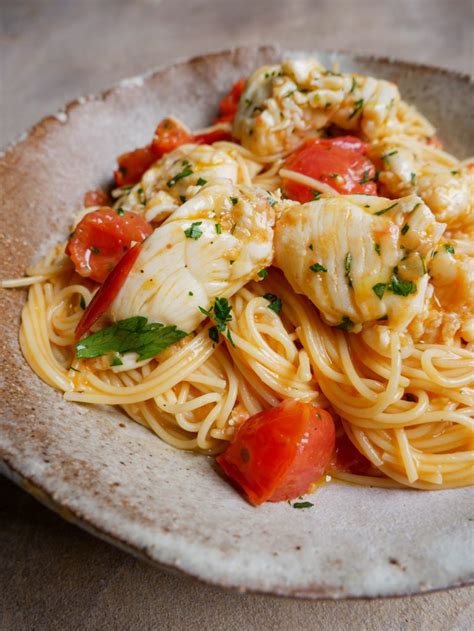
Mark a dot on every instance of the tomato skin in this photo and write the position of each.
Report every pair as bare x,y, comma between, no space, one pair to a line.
230,103
348,458
168,136
322,159
107,292
95,198
212,136
279,453
101,238
132,165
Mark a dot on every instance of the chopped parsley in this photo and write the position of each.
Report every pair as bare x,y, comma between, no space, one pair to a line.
413,179
455,172
353,86
184,173
401,287
415,207
131,335
377,248
218,228
310,246
379,290
449,248
386,156
190,293
194,231
288,94
182,198
365,177
82,302
345,324
384,210
201,182
116,361
220,312
234,200
317,267
95,250
316,194
405,228
358,105
275,302
263,273
120,211
302,505
347,267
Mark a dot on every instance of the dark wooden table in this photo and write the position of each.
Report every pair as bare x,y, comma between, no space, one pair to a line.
53,575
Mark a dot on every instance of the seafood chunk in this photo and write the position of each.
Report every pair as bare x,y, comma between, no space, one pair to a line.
359,258
211,246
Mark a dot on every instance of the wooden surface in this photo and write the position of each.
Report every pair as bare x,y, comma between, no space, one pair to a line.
52,575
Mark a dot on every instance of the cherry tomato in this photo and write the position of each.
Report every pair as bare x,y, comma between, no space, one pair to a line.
101,238
277,454
95,198
339,162
168,136
132,165
212,136
230,102
107,292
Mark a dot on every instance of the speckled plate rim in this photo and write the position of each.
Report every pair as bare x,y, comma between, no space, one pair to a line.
43,493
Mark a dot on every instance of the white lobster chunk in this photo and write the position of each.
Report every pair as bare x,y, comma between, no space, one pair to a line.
358,258
178,176
211,246
285,103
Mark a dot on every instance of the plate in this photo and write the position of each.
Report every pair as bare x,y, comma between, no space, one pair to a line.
105,473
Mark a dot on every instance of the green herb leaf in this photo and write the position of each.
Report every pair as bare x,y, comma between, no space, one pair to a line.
82,302
346,324
405,228
379,290
310,246
377,248
401,287
455,172
263,273
234,200
95,250
317,267
201,181
194,232
316,194
302,505
116,361
120,211
348,263
130,335
190,293
449,248
275,302
214,334
220,312
218,228
413,179
353,86
359,104
384,210
187,171
182,198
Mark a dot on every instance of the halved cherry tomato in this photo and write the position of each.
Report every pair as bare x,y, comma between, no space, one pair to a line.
95,198
230,102
348,458
101,238
339,162
168,136
277,454
132,165
212,136
106,294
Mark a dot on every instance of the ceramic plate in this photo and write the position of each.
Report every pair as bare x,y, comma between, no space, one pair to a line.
112,477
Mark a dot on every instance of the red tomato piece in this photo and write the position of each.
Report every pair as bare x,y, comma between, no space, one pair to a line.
339,162
279,453
212,136
168,136
132,165
230,102
101,238
95,198
107,292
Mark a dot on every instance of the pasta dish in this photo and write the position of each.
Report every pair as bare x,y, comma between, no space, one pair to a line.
290,289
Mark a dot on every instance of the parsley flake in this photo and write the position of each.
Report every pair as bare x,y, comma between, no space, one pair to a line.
120,211
95,250
384,210
386,156
218,228
316,194
82,302
263,273
377,248
401,287
358,105
220,312
302,505
413,179
345,324
201,182
405,228
275,302
234,200
317,267
187,171
194,232
449,248
379,290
